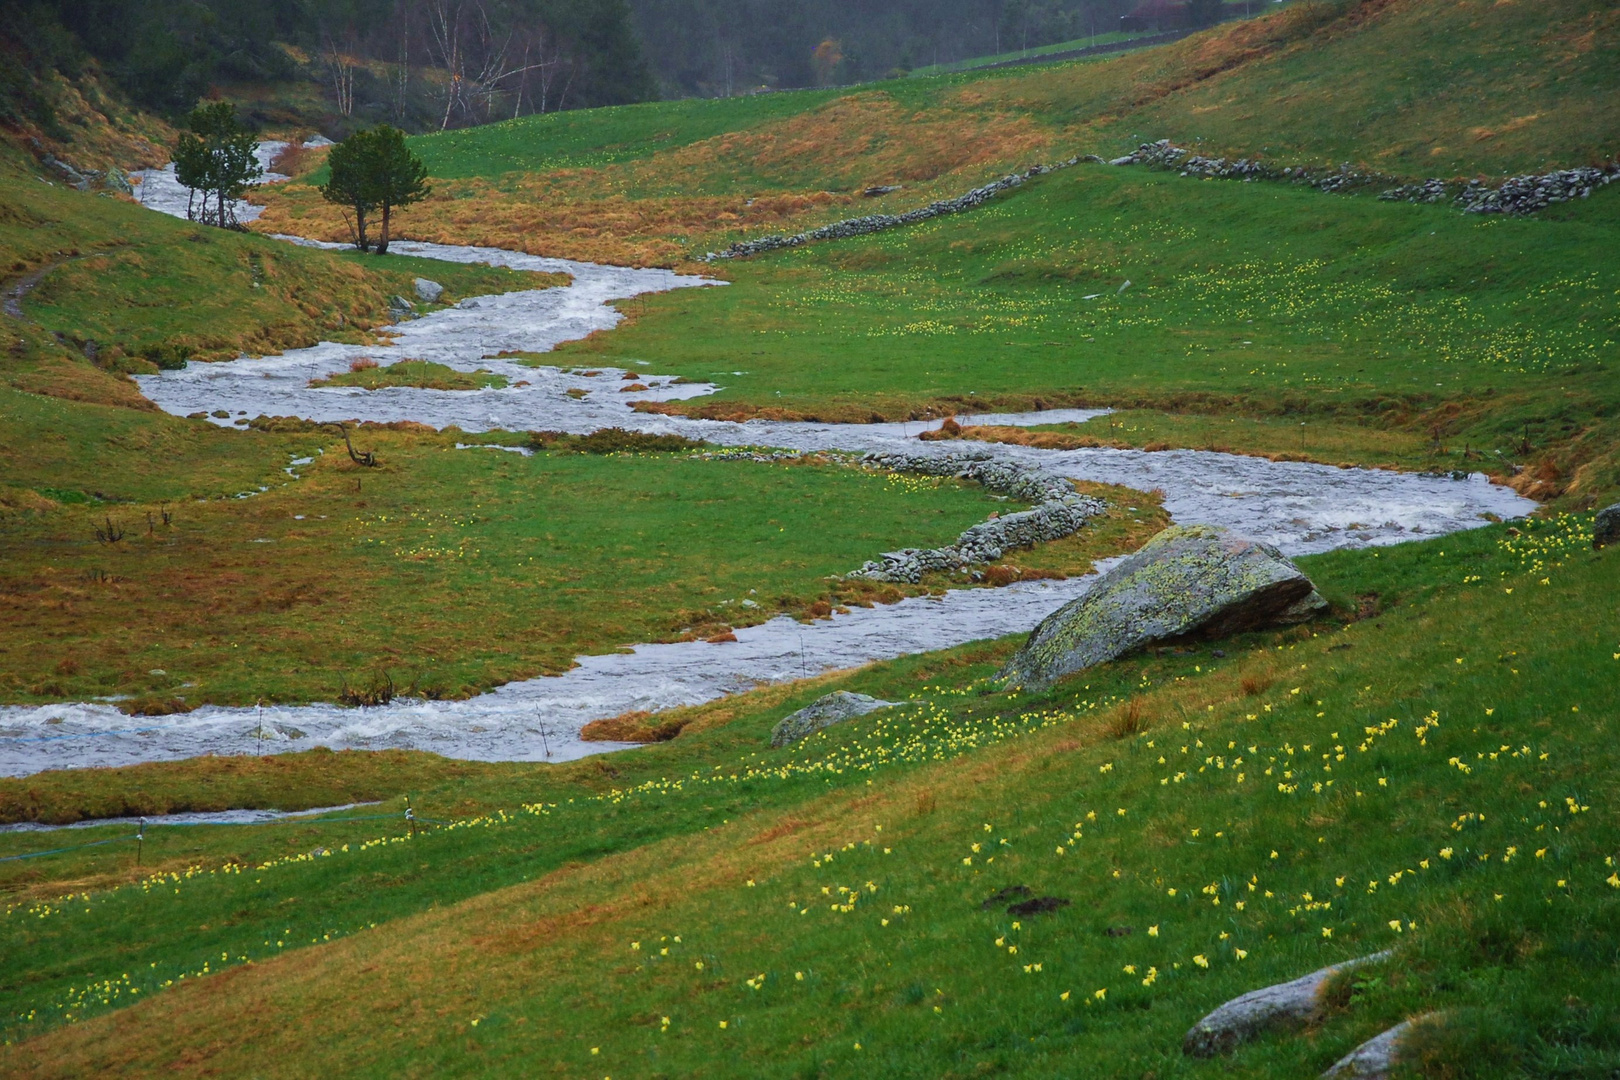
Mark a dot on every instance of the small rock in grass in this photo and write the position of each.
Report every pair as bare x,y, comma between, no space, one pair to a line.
1189,579
1606,529
1375,1059
835,708
1288,1004
428,291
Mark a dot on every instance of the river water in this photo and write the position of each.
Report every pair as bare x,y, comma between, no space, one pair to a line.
1300,507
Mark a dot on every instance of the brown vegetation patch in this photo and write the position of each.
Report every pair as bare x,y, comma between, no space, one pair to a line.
633,727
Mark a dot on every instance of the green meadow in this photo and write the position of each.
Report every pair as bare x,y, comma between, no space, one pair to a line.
1472,334
1432,778
1427,769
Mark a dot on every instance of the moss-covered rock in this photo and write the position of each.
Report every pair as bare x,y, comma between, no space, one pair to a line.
1189,579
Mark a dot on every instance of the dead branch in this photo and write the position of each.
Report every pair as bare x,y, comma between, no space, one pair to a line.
368,459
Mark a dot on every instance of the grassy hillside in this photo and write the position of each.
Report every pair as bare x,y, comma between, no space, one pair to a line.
102,269
1463,87
1434,779
1430,768
1473,342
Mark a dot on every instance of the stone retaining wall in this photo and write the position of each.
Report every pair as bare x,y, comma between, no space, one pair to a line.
1060,512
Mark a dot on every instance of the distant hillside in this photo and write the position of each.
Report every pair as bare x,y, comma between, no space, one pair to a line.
1409,88
331,64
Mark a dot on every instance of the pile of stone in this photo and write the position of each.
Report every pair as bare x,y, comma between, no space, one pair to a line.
1059,512
765,457
1432,190
871,223
1166,155
1527,194
1516,195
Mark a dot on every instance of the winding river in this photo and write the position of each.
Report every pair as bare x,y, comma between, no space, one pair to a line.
1300,507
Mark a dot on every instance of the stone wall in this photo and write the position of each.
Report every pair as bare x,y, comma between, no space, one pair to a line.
872,223
1059,512
1516,195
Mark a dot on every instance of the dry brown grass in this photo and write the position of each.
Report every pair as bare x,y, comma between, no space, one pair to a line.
778,177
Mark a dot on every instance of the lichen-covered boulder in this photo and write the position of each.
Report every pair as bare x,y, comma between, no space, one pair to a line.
428,291
1289,1004
1189,579
836,707
1606,529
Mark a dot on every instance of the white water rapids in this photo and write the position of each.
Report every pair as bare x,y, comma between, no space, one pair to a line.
1302,508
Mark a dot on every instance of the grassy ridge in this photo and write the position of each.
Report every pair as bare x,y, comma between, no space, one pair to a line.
1458,829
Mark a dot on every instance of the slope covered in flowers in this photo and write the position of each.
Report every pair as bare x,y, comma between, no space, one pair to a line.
1436,778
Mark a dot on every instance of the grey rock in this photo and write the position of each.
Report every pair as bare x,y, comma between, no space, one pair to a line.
835,708
1606,529
881,189
401,309
428,291
1375,1059
115,180
468,305
1189,579
1289,1004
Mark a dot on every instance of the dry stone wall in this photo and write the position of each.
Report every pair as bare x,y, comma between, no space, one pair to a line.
1059,512
871,223
1515,195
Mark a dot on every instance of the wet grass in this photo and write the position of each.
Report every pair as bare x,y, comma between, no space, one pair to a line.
1444,763
421,374
1280,438
1413,326
147,289
444,571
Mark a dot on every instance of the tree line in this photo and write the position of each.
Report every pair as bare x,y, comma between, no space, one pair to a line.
716,48
416,64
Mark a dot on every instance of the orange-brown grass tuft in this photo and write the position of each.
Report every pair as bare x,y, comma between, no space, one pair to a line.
635,727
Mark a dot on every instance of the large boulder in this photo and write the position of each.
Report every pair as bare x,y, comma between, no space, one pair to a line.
1606,529
1189,579
835,708
428,291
